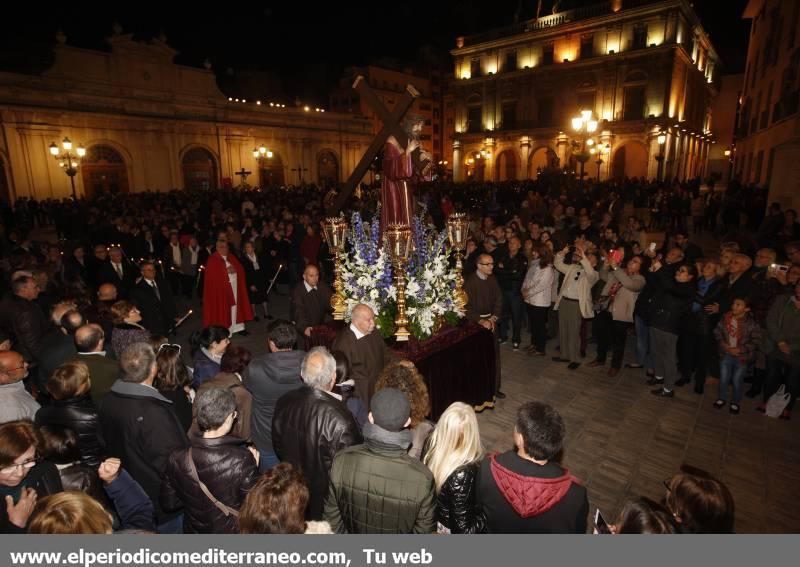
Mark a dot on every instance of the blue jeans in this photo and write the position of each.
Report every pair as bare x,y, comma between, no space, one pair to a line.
268,460
171,526
731,371
513,309
643,354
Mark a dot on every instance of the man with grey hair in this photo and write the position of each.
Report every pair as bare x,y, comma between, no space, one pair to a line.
312,424
141,428
365,350
90,342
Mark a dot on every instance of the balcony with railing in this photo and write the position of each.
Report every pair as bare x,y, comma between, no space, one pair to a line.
552,21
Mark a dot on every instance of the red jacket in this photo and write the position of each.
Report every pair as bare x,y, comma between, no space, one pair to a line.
218,295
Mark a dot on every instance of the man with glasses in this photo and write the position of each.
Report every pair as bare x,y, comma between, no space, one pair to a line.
15,401
485,306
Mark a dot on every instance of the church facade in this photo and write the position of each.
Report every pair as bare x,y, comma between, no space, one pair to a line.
644,72
146,123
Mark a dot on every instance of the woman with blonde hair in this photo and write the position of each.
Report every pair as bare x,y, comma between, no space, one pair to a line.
69,512
453,456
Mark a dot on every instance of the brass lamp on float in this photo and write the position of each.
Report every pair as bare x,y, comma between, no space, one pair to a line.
457,234
334,230
398,239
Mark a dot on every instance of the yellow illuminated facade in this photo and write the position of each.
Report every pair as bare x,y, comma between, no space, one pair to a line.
642,67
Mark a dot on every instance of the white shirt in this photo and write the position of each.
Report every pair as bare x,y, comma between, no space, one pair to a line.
254,260
98,353
16,403
118,268
176,254
356,332
193,255
308,287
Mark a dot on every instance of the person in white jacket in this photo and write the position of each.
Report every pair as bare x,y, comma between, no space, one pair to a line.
537,291
574,301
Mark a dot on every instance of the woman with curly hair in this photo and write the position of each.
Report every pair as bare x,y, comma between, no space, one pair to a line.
404,376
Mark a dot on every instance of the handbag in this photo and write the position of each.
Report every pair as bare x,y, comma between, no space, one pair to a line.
224,508
777,402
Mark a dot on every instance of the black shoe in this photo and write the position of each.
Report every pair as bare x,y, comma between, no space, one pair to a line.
662,393
734,409
256,319
573,365
650,374
719,404
499,395
243,333
559,359
655,381
515,346
752,392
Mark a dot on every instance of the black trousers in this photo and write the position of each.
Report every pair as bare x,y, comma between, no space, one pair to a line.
610,334
537,324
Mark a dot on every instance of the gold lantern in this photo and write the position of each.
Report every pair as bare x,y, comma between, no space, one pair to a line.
398,239
334,230
458,233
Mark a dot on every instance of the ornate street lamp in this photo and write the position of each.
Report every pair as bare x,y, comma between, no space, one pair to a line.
69,160
584,125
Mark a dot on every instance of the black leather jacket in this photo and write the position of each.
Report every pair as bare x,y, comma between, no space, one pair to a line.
309,428
80,415
456,509
225,466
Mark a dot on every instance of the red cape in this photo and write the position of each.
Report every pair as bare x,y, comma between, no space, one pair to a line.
218,294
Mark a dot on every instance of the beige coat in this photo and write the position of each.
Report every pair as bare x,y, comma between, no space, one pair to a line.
588,278
625,300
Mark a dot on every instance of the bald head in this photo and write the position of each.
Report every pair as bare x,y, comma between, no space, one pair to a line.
107,292
311,275
89,338
13,367
59,310
363,318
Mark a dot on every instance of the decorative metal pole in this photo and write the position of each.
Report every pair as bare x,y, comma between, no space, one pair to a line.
457,233
398,238
334,229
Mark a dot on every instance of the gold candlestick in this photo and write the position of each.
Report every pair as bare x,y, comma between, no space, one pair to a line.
398,239
334,229
458,233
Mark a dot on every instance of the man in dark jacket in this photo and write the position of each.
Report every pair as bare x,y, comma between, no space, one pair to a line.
312,424
526,490
90,342
377,488
691,251
154,299
267,378
118,271
311,301
23,319
510,274
58,344
140,427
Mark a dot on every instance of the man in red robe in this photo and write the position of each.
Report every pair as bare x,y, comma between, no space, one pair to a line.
225,299
402,169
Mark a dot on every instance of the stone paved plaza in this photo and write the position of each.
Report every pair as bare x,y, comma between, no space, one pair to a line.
623,442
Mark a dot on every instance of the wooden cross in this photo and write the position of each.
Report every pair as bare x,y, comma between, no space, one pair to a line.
300,169
391,127
243,173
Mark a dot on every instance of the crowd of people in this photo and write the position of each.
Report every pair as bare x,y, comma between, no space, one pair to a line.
106,425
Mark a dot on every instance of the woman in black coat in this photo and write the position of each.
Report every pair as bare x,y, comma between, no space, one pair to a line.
221,461
255,271
72,408
453,454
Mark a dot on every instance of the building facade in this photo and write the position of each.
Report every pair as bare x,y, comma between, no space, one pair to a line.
767,150
644,71
147,123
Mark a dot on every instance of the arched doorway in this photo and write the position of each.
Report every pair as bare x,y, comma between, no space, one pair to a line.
327,169
5,194
630,160
103,171
541,159
270,171
199,170
506,166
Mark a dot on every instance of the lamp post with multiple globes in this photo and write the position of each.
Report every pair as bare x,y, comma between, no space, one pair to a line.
69,160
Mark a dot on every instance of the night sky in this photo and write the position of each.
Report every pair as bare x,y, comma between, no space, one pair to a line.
307,46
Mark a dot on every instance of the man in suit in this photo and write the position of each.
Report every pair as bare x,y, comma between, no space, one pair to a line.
103,371
58,344
364,349
311,301
119,272
154,299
